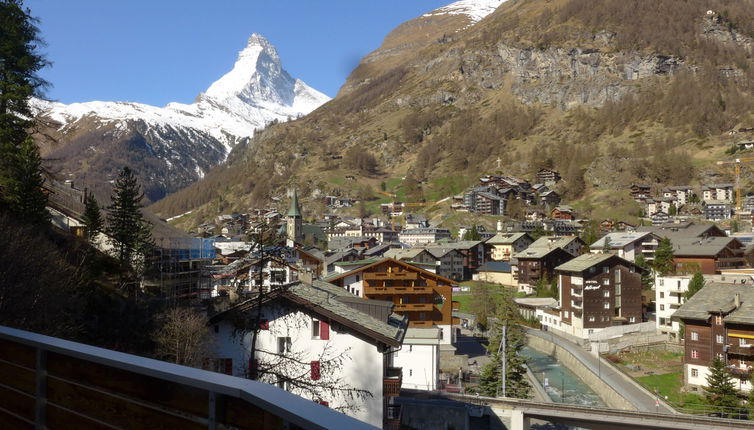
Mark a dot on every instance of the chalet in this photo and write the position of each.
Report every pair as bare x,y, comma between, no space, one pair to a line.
416,221
607,225
722,192
489,204
392,208
472,252
536,264
563,213
323,333
503,246
628,245
625,226
684,230
640,192
449,262
534,214
660,218
709,255
719,322
549,199
548,176
598,291
342,243
425,297
682,193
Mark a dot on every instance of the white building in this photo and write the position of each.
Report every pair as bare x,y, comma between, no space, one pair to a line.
319,342
423,236
419,358
718,192
628,245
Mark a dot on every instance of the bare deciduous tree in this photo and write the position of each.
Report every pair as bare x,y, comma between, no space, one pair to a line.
184,337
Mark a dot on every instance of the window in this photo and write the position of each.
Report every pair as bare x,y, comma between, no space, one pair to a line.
591,317
662,307
606,305
720,356
283,383
719,338
632,319
694,353
718,319
315,329
606,293
662,294
410,372
315,370
606,281
605,269
284,345
264,324
742,341
694,335
694,373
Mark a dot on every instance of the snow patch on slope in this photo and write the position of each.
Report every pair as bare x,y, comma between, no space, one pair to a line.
474,9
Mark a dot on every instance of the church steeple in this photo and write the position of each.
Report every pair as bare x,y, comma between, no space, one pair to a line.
294,229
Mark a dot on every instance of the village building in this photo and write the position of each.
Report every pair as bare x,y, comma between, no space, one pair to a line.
503,246
670,295
628,245
598,291
709,255
325,334
720,192
563,213
419,358
536,264
571,244
719,323
717,210
496,272
423,236
640,192
548,176
682,193
425,297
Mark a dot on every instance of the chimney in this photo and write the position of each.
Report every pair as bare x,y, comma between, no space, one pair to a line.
499,226
737,300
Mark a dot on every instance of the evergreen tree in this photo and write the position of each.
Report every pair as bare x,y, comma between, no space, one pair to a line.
663,263
606,247
647,280
590,233
19,64
697,283
129,232
721,392
25,196
93,221
490,377
472,234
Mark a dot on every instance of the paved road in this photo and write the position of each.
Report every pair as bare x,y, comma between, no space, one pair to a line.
643,400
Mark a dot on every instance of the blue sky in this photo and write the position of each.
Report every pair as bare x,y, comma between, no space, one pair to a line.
158,51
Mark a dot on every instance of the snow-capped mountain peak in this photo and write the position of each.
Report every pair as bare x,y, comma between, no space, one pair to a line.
474,9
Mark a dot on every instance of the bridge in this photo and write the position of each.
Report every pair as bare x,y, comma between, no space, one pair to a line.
520,413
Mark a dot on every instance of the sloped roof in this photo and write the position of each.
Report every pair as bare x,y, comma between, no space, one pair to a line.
495,266
401,263
716,298
400,254
506,238
620,239
538,252
702,247
585,261
554,241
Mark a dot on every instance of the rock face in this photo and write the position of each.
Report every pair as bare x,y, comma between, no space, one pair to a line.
170,147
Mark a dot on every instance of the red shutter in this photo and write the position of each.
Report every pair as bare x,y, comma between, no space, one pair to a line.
315,370
324,330
264,324
228,366
324,403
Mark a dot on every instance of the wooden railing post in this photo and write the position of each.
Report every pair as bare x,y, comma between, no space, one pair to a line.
216,410
40,406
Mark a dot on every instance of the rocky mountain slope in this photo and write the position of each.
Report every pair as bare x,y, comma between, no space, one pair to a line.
650,89
170,147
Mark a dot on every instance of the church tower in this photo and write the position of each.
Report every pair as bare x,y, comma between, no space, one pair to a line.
293,227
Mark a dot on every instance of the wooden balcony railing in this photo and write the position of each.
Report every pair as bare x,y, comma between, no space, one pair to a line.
46,382
414,307
391,386
739,371
397,290
747,350
422,324
456,305
379,276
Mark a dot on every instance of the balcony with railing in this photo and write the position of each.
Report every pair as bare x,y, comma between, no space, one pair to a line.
392,382
579,304
398,290
577,292
745,350
395,275
740,371
46,382
414,307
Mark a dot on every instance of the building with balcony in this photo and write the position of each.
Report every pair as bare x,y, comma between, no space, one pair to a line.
709,255
628,245
317,341
424,297
423,236
535,264
722,192
670,295
719,323
419,359
598,291
571,244
503,246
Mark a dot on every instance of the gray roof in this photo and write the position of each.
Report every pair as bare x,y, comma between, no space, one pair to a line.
506,238
400,254
553,241
717,297
536,301
675,231
495,266
583,262
461,244
438,252
620,239
702,246
532,252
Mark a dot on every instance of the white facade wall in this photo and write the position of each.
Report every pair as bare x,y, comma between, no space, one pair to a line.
346,359
669,296
420,364
701,372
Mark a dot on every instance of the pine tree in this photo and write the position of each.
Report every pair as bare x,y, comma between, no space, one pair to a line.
129,232
606,247
25,195
472,234
93,221
721,393
697,283
663,263
646,275
19,64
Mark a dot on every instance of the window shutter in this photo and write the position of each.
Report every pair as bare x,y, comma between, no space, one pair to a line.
315,370
264,324
324,330
324,403
229,366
